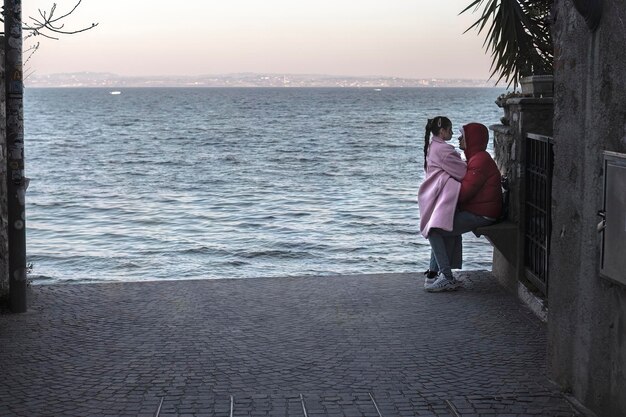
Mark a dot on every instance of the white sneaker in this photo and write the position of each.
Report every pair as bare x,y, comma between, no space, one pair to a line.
442,284
431,277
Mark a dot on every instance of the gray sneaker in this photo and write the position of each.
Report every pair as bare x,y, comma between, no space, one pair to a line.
442,284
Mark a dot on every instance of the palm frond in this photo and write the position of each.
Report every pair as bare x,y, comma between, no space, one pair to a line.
517,36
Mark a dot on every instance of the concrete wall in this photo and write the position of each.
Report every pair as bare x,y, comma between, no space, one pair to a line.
4,247
587,314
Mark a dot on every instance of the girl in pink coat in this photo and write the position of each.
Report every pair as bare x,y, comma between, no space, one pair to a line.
480,196
439,193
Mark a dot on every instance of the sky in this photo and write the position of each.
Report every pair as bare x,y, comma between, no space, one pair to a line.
401,38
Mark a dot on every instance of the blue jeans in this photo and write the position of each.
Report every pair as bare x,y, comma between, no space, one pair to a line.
441,240
454,249
432,266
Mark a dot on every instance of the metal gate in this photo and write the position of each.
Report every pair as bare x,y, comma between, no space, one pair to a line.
538,201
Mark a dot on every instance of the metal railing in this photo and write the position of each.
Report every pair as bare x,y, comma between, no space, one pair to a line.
537,208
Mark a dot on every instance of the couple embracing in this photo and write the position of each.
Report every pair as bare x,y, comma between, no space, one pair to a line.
456,196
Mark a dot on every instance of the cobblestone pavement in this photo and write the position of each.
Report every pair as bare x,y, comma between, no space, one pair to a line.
359,345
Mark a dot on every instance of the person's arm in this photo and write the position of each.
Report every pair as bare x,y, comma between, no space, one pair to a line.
455,166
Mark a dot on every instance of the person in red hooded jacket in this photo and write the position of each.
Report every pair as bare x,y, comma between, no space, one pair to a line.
479,203
481,190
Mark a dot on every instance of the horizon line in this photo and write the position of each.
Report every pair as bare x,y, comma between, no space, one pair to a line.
278,74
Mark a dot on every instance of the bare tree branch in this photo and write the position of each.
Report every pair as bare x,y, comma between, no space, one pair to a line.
29,52
48,25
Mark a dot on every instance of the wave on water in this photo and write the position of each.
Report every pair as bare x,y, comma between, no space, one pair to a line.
159,184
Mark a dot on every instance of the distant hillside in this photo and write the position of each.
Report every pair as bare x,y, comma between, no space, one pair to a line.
108,80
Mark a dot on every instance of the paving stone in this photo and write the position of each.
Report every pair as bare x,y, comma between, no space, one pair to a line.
98,349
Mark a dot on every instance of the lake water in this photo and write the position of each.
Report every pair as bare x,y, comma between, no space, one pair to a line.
156,184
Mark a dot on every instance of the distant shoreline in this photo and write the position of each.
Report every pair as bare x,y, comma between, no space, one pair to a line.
245,80
119,88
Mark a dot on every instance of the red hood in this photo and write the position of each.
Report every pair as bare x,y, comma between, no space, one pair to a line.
476,138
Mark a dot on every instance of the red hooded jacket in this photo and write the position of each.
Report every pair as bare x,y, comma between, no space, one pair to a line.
481,191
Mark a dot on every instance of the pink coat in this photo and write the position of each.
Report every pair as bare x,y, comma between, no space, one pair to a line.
439,193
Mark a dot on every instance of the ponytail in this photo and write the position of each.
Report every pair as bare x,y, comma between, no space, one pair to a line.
433,127
427,141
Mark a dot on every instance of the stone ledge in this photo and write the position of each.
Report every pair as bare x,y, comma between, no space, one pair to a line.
530,100
506,130
502,235
536,304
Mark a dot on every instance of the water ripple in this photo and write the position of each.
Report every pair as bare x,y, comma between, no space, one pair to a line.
232,183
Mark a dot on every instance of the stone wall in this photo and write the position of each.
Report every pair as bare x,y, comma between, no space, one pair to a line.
522,115
526,115
4,247
587,314
505,265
